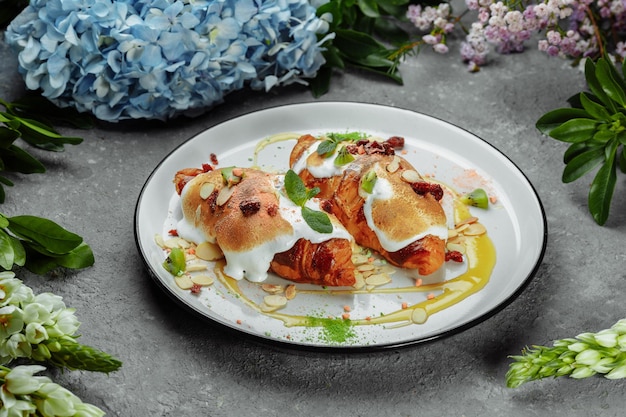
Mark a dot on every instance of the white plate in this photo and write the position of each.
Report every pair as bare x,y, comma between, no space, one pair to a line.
516,222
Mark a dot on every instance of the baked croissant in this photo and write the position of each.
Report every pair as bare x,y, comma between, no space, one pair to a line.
258,229
400,217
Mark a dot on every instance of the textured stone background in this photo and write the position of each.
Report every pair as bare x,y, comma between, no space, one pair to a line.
177,365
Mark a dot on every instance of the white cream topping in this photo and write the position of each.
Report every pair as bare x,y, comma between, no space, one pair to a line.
326,170
383,190
254,264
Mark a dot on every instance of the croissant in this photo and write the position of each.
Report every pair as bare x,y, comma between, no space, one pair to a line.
258,229
401,217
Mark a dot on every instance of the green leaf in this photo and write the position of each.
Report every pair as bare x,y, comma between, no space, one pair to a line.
317,220
557,117
601,191
7,137
81,257
575,130
4,222
43,136
44,232
596,87
35,106
369,8
610,81
576,149
622,160
19,253
326,148
17,159
7,254
320,85
39,264
595,110
295,188
356,45
582,164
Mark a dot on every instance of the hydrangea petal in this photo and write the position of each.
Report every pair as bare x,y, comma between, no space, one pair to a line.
176,57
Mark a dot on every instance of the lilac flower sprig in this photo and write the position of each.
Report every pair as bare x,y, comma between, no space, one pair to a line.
156,59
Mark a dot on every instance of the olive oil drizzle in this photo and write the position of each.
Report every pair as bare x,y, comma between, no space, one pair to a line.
480,256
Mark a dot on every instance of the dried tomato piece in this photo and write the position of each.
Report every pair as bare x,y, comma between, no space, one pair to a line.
454,255
396,142
423,188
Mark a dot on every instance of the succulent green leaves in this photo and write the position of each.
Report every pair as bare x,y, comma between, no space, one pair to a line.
595,128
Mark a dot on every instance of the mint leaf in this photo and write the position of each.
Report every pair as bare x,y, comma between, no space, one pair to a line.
299,194
295,188
317,220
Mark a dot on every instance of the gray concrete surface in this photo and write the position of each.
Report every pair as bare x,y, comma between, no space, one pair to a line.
177,365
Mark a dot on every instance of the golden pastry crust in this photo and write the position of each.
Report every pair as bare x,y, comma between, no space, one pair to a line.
407,213
250,217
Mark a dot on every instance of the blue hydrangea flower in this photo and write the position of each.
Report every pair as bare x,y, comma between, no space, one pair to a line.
156,59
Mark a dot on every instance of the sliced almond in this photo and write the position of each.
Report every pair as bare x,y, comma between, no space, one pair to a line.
365,267
394,164
272,288
275,300
359,281
184,282
359,259
378,279
206,190
475,229
158,239
196,267
387,269
209,251
198,216
469,220
224,195
203,280
411,176
452,233
456,247
290,292
174,242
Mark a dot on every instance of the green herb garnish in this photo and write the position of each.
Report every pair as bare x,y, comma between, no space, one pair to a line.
40,245
299,194
328,146
368,181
